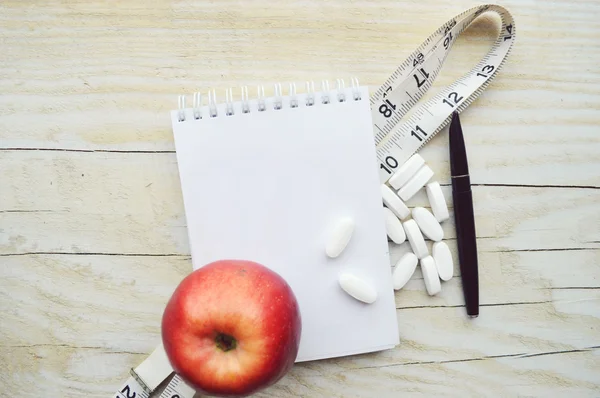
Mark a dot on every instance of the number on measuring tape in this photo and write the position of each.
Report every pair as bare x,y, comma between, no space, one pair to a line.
391,164
148,375
131,389
397,139
418,133
177,388
387,108
424,76
453,99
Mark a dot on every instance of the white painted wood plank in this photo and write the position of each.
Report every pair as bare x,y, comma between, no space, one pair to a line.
534,125
70,372
66,317
529,304
73,372
124,203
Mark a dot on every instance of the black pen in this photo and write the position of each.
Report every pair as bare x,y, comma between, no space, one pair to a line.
464,217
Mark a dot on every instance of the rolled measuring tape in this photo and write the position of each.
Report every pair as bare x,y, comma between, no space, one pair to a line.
396,140
148,376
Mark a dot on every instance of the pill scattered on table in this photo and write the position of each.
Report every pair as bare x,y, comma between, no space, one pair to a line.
437,201
393,202
415,238
430,276
339,237
394,228
437,266
357,288
415,183
443,260
427,223
404,269
406,171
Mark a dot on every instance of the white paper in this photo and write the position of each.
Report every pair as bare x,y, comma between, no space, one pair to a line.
269,186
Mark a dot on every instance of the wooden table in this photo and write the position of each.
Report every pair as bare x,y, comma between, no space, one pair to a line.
92,228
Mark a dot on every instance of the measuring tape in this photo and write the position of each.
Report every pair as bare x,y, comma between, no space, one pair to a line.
395,140
176,388
147,376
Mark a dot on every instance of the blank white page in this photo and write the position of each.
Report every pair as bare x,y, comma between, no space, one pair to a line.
269,186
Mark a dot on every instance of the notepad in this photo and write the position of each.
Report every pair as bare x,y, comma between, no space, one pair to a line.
266,179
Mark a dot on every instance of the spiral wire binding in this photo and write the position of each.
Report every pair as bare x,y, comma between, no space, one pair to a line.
293,99
310,93
340,86
356,89
261,100
229,102
181,105
197,106
245,103
212,103
278,101
325,91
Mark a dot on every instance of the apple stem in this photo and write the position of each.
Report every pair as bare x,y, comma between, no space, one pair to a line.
225,342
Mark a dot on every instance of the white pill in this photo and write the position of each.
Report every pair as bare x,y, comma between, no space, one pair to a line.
416,182
443,260
407,170
339,237
357,288
415,238
393,202
428,224
404,269
437,201
430,276
394,227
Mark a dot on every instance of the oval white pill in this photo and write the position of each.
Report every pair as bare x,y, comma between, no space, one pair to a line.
357,288
407,170
437,201
430,276
340,236
404,269
428,224
443,260
415,183
393,202
415,238
394,227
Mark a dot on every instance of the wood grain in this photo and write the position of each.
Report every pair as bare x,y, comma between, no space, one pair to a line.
132,204
92,229
546,311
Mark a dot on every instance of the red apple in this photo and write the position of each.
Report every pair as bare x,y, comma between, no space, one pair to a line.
232,328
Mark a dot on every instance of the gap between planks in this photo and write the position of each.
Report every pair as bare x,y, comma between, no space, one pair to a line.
134,151
411,363
187,256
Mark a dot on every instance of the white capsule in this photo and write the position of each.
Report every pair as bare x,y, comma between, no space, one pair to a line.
357,288
339,237
415,238
393,202
404,269
437,201
443,260
393,227
430,276
416,182
407,170
428,224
